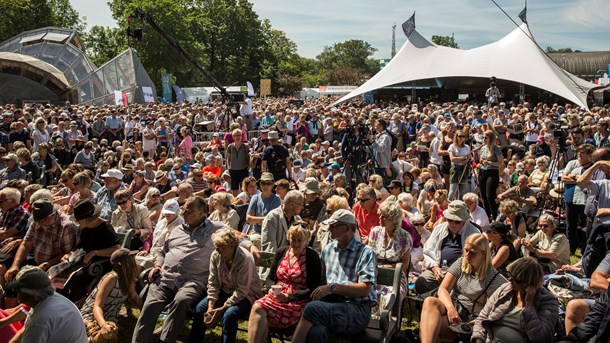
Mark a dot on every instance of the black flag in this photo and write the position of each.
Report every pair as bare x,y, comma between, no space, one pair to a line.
523,14
409,26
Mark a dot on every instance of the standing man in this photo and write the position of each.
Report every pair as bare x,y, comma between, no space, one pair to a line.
175,282
343,304
382,145
245,109
276,158
397,127
114,127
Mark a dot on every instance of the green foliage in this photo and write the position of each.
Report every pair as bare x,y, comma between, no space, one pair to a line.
104,43
561,50
352,57
448,41
26,15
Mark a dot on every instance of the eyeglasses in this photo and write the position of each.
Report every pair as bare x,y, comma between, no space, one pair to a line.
543,225
418,224
363,199
266,183
121,203
65,180
453,221
337,225
485,138
298,204
460,136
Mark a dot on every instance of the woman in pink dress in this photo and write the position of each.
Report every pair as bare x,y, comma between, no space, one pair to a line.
186,145
297,270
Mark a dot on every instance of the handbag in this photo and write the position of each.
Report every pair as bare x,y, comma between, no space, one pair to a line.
468,316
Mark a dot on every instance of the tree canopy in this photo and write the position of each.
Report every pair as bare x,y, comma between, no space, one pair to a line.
448,41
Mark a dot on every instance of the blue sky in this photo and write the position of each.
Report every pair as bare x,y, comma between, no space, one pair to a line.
313,24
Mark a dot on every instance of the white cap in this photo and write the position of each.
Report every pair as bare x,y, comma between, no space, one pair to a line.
115,173
170,207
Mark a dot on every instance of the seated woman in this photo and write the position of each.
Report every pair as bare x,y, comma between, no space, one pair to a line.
139,186
233,286
470,281
220,206
510,215
131,216
103,304
436,212
502,249
540,177
519,311
98,240
297,270
392,244
82,182
551,248
171,219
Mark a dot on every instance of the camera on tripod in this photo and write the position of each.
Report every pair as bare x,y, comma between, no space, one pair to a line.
560,133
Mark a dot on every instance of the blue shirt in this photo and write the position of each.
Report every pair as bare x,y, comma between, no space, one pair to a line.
355,264
106,201
113,123
262,206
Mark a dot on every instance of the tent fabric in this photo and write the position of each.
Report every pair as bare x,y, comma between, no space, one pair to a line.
513,58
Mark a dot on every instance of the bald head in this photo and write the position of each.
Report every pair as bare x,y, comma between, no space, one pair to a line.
601,154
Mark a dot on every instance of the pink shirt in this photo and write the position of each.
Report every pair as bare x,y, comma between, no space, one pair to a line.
366,220
186,145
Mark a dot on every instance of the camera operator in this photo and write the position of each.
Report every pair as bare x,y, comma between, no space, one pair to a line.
492,94
352,151
382,145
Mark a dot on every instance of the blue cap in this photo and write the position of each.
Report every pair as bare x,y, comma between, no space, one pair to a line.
334,166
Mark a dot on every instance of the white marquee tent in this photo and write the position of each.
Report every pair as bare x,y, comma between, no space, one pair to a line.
513,58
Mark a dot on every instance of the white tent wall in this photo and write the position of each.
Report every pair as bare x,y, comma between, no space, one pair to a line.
513,58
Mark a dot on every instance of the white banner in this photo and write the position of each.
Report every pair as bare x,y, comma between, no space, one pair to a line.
118,97
148,94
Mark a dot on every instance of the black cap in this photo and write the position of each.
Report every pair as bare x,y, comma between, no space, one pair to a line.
395,184
497,227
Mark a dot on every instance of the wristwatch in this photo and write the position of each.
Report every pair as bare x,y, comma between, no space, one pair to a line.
332,287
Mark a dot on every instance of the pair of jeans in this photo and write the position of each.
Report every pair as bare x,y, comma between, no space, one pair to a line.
230,318
342,318
488,182
460,189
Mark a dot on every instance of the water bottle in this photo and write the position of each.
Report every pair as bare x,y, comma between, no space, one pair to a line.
444,268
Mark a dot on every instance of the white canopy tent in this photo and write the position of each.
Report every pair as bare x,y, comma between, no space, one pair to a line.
513,58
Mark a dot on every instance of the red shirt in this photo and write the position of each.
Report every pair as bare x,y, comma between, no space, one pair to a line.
366,220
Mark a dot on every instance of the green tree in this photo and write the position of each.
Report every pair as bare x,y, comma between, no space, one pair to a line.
104,43
448,41
355,54
560,50
25,15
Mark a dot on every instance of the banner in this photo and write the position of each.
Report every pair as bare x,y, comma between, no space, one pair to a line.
179,94
118,98
265,87
166,83
250,88
148,94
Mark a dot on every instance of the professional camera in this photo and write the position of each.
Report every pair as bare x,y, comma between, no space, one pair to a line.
560,133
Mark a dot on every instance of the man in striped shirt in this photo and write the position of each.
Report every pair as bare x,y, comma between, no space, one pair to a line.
343,305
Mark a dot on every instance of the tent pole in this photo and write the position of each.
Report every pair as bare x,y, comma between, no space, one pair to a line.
521,93
413,93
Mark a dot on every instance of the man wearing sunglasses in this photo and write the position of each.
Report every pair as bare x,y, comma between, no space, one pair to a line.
446,243
343,304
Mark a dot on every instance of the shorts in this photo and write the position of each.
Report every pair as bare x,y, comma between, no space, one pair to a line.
237,177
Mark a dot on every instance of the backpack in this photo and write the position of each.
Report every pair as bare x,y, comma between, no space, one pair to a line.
596,248
394,138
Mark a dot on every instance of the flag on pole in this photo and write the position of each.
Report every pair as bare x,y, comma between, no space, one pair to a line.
523,14
250,88
409,26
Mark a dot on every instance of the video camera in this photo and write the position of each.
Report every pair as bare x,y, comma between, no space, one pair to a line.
560,132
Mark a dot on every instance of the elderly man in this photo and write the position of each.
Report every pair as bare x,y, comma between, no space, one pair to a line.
350,273
276,158
12,170
51,236
445,245
13,218
105,195
114,127
277,222
598,188
53,318
365,211
522,194
477,213
174,282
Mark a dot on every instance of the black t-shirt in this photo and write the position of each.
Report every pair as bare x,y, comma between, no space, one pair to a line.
15,136
275,155
97,238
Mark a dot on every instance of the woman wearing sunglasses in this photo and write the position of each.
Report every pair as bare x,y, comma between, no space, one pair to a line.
459,177
550,248
520,310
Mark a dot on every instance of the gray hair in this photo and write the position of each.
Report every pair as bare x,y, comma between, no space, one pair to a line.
11,193
223,198
549,219
406,199
293,196
199,203
391,211
418,218
41,194
471,197
225,237
544,159
152,191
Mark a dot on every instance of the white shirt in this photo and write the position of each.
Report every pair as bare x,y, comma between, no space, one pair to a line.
435,158
479,216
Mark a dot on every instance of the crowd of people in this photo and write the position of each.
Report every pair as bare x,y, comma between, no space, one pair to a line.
485,206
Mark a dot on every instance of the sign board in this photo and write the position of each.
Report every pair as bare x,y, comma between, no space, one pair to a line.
265,87
148,94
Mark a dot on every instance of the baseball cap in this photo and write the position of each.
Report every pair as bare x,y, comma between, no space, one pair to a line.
32,278
341,215
171,206
115,173
120,255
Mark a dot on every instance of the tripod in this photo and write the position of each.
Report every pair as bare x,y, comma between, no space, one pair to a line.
553,167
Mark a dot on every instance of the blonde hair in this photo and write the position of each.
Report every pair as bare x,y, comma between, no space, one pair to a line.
391,211
225,237
299,228
336,202
481,243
